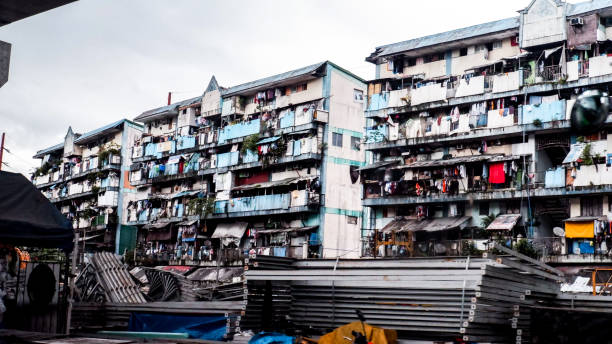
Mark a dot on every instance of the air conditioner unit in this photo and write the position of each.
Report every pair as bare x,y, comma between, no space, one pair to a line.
576,21
40,286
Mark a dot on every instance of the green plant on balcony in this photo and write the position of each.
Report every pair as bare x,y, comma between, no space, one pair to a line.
91,178
250,143
525,247
95,190
106,151
201,206
88,213
43,170
537,123
487,220
587,155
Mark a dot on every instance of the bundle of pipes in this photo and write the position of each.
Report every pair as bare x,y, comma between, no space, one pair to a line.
115,279
474,299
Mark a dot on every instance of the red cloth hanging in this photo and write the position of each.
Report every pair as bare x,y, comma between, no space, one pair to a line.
497,174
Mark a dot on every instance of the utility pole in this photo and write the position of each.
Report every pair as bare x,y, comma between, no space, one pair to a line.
1,150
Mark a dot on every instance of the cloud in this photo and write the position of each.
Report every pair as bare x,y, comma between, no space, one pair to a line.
92,62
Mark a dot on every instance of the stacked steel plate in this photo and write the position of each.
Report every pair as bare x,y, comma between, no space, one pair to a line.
473,299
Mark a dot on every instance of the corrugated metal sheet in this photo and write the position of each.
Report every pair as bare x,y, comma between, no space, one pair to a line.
445,37
504,222
170,109
230,230
270,81
378,164
41,153
286,230
100,131
587,6
428,225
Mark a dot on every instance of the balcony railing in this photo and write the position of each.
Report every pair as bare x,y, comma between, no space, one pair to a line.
549,73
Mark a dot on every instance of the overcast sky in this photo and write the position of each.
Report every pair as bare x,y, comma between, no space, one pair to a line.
93,62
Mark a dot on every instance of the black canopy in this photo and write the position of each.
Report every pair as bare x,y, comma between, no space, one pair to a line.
27,218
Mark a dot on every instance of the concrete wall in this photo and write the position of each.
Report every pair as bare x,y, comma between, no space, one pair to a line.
342,198
543,23
163,128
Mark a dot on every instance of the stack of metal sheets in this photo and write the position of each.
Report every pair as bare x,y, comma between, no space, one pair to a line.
115,279
473,299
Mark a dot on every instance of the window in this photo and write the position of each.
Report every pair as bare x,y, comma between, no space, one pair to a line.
351,220
170,123
441,57
497,45
356,143
411,62
489,46
591,206
358,96
301,87
479,48
607,22
428,58
463,52
483,209
337,139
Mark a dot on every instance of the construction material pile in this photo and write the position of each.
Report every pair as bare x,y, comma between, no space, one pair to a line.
106,279
473,299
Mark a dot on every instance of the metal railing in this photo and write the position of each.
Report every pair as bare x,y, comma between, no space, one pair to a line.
550,73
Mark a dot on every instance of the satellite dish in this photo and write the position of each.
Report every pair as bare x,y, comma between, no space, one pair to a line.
589,112
559,231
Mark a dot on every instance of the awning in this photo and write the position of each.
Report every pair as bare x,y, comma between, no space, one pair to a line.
187,223
488,64
576,150
429,225
174,159
397,225
87,238
580,228
504,222
378,164
447,162
585,218
268,140
551,51
230,230
516,57
442,224
264,185
157,225
185,193
286,230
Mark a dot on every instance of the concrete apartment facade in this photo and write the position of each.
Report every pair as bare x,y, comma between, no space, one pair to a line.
86,176
263,167
473,123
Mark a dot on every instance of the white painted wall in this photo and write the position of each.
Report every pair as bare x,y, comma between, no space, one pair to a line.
339,237
544,23
506,82
475,86
429,93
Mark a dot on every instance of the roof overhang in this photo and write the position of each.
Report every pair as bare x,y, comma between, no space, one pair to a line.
13,10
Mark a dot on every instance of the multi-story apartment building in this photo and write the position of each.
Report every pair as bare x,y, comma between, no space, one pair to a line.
86,176
266,167
472,123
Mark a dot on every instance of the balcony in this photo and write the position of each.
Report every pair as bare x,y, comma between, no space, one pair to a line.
297,201
506,82
427,94
545,112
239,130
599,66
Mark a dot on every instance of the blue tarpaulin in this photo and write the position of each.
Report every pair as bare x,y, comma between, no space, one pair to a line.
199,327
271,338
